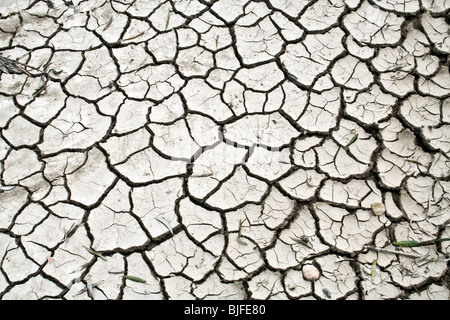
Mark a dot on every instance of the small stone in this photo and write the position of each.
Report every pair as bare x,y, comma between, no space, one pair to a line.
378,208
310,272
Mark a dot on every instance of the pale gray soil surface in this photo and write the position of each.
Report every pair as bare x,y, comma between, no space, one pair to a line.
224,149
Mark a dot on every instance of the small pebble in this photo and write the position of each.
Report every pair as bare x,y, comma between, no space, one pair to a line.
310,272
378,209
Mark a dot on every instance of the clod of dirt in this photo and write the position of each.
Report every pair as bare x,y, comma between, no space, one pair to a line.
378,209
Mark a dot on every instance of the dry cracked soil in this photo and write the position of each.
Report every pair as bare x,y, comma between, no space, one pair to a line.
224,149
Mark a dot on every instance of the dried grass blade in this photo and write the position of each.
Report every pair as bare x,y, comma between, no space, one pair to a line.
374,267
415,161
98,254
355,137
134,37
301,242
135,279
406,243
7,188
23,70
168,19
82,267
166,224
89,288
392,251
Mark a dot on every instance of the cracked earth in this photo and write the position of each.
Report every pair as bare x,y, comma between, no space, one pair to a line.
224,149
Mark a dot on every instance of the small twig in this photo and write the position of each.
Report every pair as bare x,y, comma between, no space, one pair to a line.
166,224
71,231
82,267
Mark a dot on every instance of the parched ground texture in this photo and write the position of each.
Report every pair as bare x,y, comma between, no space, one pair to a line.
216,148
